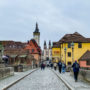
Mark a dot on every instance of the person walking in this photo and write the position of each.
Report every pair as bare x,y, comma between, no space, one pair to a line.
55,66
60,66
42,66
63,67
76,68
51,65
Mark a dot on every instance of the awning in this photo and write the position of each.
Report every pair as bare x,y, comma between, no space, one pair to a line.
22,56
13,56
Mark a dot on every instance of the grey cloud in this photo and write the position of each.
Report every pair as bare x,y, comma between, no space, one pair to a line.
55,18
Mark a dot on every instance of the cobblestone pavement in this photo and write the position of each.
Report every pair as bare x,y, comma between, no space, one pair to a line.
67,78
40,80
17,75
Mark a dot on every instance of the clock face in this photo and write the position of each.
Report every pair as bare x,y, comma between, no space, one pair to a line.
36,37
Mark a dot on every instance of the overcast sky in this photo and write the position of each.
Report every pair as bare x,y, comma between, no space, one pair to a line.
55,18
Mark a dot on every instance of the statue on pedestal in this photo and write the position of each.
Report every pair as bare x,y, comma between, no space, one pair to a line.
1,54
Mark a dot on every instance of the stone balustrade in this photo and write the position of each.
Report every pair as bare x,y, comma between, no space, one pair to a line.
22,68
6,71
83,74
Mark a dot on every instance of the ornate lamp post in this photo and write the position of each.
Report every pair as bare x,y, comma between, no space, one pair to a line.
72,45
65,49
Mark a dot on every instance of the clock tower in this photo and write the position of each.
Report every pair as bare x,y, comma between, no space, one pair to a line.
36,35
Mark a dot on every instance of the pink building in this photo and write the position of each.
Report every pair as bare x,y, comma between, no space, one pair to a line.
84,60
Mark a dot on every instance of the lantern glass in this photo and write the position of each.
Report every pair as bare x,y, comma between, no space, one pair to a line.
72,44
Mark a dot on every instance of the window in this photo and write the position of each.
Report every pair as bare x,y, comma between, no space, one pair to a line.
56,52
46,52
88,62
79,45
69,54
69,45
69,63
32,50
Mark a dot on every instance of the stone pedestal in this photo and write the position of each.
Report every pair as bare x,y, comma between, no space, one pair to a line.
4,71
2,65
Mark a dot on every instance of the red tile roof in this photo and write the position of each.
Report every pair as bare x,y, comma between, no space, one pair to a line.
56,45
85,56
12,44
75,37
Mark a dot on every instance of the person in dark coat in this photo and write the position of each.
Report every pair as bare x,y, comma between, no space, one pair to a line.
42,66
60,66
51,65
76,68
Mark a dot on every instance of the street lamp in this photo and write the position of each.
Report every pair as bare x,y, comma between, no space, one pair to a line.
65,49
72,45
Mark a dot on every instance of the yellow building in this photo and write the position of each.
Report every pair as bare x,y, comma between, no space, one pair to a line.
73,46
56,52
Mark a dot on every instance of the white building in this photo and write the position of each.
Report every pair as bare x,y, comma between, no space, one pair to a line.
47,52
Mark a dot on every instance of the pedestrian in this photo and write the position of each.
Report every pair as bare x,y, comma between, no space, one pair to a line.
60,66
63,67
44,66
76,68
51,65
41,66
55,66
36,65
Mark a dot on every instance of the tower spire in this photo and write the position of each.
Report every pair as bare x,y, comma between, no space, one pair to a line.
36,34
36,29
49,44
45,46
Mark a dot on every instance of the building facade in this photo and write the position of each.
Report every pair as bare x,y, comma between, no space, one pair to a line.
47,51
15,54
56,52
72,47
84,60
34,50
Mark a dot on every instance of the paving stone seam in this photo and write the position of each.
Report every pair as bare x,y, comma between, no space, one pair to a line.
66,84
5,88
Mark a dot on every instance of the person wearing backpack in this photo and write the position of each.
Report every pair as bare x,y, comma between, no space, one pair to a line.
60,66
76,67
